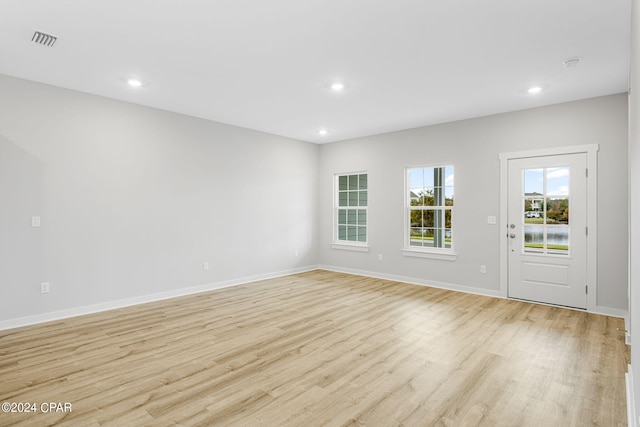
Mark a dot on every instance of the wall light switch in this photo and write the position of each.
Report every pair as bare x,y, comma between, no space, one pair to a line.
492,220
205,266
35,221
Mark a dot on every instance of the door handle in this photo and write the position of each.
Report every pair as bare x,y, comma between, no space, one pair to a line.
512,235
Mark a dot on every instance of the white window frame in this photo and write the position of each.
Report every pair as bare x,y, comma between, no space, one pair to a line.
349,244
447,254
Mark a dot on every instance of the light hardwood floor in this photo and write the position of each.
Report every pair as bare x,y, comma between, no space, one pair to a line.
321,348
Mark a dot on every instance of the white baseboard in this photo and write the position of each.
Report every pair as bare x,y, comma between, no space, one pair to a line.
631,406
414,281
96,308
606,311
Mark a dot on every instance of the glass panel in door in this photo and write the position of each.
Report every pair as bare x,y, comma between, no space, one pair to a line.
545,217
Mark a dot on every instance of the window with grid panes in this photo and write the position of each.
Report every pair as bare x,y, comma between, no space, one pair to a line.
429,208
351,200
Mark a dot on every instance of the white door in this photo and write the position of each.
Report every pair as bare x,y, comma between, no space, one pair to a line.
547,229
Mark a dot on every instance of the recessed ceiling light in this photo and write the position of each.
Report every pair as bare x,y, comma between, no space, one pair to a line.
322,132
337,87
134,82
534,89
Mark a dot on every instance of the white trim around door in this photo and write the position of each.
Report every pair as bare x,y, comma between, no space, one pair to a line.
591,152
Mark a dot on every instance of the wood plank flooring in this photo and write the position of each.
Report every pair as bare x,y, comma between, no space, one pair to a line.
321,348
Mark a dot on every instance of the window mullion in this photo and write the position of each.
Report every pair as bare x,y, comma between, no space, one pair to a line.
350,205
429,191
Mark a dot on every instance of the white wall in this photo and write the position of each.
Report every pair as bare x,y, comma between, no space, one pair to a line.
133,200
634,197
472,146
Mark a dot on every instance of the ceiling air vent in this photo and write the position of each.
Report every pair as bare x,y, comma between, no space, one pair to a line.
43,39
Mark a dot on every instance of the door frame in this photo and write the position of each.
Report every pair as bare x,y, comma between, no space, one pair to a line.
591,151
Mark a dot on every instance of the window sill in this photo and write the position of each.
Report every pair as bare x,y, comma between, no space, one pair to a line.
445,255
350,247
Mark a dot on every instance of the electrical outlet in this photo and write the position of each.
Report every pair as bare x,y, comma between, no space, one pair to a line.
205,266
44,288
35,221
296,253
483,269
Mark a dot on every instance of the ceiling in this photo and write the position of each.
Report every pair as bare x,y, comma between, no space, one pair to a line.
269,65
